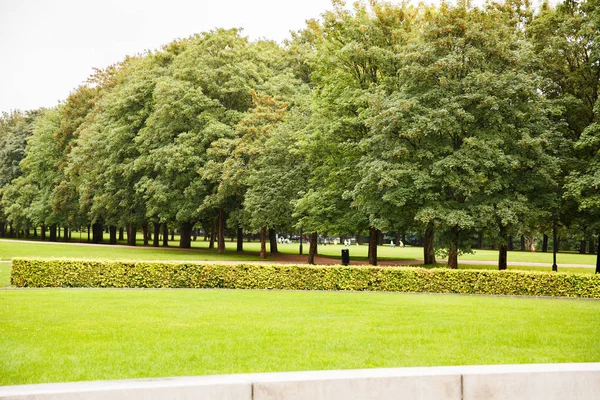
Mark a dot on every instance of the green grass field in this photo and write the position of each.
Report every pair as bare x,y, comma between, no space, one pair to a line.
4,273
51,335
9,249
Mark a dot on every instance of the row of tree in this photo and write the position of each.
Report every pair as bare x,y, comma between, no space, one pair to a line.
451,121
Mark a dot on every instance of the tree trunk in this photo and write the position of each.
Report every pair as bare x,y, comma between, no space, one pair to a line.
359,239
379,238
428,250
545,243
502,257
156,226
598,256
522,242
300,249
185,235
53,233
34,232
97,233
373,239
453,250
131,234
213,234
312,249
145,233
480,240
2,229
591,249
89,230
165,234
43,232
273,241
172,234
240,239
113,234
582,246
263,242
511,245
66,234
221,232
121,233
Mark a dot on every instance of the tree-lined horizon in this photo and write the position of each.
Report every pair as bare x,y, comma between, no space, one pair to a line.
452,122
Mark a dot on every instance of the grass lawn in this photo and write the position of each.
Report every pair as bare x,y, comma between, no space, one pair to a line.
4,273
51,335
10,249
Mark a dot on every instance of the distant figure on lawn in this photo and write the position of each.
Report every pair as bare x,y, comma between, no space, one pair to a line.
392,244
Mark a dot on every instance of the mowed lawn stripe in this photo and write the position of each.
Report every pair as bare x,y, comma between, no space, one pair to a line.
51,335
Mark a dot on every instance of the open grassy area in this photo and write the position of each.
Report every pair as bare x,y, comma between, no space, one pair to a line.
71,335
9,249
4,273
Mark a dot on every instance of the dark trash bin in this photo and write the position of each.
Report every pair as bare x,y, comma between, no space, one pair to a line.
345,256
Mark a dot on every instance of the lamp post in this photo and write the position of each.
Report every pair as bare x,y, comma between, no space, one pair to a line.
554,244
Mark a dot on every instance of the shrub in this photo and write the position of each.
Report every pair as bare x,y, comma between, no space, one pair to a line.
138,274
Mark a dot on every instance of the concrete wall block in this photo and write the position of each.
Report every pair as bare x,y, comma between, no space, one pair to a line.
558,385
441,387
160,389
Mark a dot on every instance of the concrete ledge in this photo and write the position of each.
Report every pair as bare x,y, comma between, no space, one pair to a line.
536,381
227,387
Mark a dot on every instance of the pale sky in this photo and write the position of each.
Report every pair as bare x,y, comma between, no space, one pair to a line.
50,47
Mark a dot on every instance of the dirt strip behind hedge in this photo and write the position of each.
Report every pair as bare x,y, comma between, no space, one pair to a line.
136,274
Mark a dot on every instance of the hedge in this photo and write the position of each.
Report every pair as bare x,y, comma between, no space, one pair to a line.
137,274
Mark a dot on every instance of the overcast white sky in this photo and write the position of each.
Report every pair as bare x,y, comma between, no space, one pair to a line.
50,47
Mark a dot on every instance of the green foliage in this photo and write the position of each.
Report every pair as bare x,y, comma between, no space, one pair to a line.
123,274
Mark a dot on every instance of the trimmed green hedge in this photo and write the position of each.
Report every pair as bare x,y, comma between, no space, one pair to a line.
136,274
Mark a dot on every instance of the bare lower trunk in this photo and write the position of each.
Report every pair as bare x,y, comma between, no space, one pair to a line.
453,257
43,232
53,236
263,242
428,249
112,234
213,234
156,241
221,230
121,233
379,238
598,256
145,233
545,243
185,237
453,250
503,257
480,240
165,234
240,239
97,232
312,249
591,250
522,242
582,246
373,239
273,241
131,235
